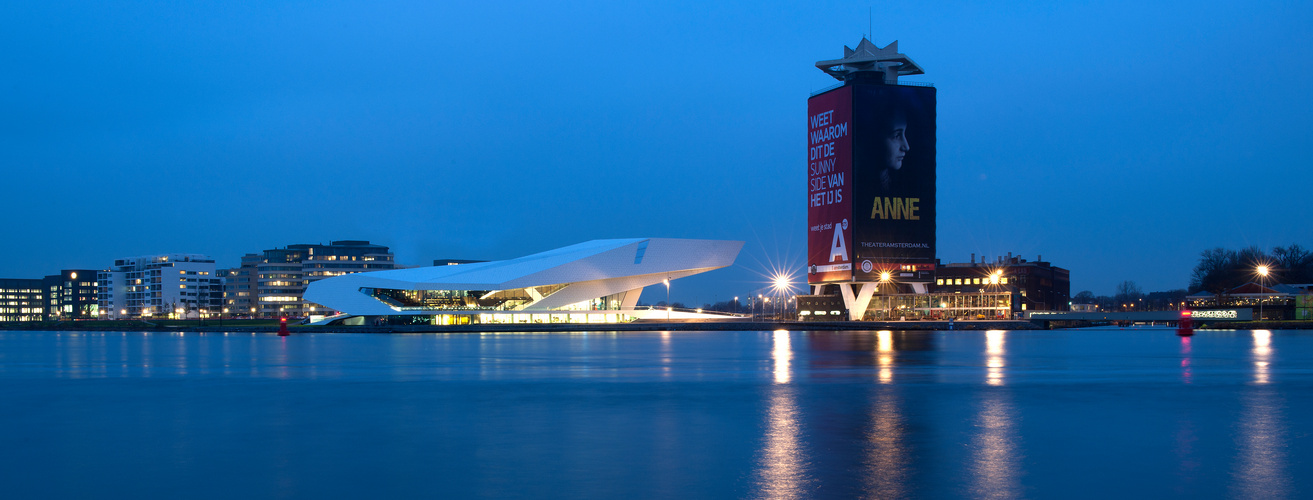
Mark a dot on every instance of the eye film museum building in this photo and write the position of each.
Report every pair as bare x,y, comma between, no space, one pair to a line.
592,282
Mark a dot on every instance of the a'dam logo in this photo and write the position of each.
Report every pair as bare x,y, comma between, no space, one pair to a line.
1221,314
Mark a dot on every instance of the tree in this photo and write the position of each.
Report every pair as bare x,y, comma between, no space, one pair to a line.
1220,269
1163,301
1294,263
1084,297
1128,291
1212,272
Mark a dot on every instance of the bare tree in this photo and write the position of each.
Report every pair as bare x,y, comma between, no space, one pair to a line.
1211,272
1295,264
1128,292
1084,297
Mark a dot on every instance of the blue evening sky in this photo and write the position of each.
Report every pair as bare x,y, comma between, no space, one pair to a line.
1117,139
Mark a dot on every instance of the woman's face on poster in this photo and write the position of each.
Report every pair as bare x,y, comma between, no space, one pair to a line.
897,144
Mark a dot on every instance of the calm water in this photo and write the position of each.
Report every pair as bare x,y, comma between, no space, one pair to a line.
1085,414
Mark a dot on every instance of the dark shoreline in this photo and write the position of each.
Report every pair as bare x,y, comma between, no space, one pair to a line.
674,326
554,327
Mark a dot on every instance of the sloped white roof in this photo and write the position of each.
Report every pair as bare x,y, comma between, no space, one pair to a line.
599,267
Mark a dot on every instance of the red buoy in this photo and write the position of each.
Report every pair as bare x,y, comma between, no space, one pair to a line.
1185,326
282,327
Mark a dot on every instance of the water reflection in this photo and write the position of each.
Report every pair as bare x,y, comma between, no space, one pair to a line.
1263,469
665,354
1187,459
782,354
887,456
994,349
885,347
782,464
1262,354
995,465
1187,374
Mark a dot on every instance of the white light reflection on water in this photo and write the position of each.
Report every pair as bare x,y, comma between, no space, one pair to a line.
1262,355
885,346
995,466
887,456
1263,471
782,464
665,354
994,348
782,354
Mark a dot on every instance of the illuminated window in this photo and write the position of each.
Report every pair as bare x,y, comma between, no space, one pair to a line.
975,281
939,281
1003,280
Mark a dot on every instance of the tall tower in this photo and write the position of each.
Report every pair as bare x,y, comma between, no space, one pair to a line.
871,178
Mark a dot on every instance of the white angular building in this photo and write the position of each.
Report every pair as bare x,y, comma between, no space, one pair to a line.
593,282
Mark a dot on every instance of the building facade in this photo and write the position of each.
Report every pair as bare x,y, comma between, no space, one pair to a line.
1028,285
240,289
1005,288
283,274
22,299
72,295
161,286
1274,302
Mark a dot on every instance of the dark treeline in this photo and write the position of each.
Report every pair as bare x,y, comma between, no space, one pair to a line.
1130,297
1221,269
1218,270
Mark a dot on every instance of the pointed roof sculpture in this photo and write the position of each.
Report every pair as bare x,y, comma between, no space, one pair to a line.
867,57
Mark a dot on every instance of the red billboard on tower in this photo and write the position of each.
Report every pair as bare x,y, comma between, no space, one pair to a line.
829,186
871,183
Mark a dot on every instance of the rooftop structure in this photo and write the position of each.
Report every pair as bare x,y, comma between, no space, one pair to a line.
886,63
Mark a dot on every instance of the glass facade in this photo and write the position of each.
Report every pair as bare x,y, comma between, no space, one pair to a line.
496,318
283,273
483,300
940,306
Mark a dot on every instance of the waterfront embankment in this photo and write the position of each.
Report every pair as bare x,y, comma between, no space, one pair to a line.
642,326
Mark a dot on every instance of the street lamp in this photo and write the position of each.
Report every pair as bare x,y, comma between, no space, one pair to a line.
667,282
885,277
1262,275
781,285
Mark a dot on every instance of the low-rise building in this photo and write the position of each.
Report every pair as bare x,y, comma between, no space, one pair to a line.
22,299
1027,285
72,294
1269,302
1004,288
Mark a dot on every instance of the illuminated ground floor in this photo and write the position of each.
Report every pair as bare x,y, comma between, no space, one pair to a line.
940,306
913,306
535,317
